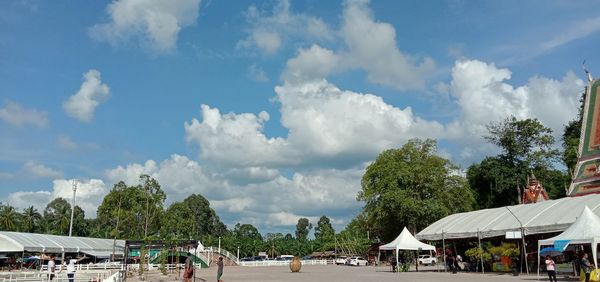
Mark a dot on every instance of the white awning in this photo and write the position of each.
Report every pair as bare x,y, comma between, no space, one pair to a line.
545,217
45,243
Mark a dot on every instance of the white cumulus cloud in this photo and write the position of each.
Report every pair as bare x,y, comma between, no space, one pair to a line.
15,115
153,23
91,94
89,195
269,31
34,169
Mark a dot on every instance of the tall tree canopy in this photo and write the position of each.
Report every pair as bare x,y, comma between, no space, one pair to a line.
136,210
524,143
303,227
412,187
9,218
570,138
178,222
206,220
526,146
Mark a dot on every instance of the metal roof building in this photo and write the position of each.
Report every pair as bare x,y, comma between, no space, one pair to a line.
544,217
45,243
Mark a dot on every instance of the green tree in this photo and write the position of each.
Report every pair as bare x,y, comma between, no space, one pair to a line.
31,220
206,220
526,146
324,233
136,210
303,227
524,143
9,218
57,215
570,138
177,222
247,237
412,187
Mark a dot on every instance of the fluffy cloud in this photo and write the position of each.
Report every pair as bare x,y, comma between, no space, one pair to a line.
257,73
268,32
66,143
153,23
15,115
34,169
483,94
326,125
369,45
307,194
372,47
89,195
90,95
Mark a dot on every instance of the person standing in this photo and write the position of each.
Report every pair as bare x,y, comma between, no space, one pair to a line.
551,269
189,269
51,268
71,270
220,269
586,267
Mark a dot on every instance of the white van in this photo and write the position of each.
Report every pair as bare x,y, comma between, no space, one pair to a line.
285,257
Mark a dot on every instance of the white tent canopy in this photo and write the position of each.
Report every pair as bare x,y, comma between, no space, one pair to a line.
585,230
545,217
406,241
45,243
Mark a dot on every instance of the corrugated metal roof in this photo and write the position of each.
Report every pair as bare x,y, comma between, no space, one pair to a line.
33,242
544,217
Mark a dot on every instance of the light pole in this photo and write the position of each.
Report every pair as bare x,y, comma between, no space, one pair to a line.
219,245
73,207
238,255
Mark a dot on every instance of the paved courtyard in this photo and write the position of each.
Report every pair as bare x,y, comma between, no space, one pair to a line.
341,273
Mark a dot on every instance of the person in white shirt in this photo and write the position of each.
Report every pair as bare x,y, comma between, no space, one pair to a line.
551,269
71,270
51,268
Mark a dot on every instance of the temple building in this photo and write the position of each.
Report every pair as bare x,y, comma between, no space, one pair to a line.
586,178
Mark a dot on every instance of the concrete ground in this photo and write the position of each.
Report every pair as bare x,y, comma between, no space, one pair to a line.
340,273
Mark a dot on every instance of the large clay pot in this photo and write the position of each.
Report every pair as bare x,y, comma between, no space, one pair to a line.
295,264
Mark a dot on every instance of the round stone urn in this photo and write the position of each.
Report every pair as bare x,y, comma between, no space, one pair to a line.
295,264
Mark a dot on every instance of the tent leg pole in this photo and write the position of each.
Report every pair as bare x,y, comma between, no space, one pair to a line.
525,250
481,251
538,261
444,250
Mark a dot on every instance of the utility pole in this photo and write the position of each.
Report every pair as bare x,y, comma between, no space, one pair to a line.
73,207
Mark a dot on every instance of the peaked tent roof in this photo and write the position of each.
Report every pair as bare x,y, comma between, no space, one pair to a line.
406,241
583,230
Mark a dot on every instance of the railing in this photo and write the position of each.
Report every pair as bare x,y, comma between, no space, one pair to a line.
43,276
223,252
282,262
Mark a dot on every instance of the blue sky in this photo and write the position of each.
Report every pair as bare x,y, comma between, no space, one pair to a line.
270,109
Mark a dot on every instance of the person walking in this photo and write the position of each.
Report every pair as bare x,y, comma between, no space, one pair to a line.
51,268
220,269
586,267
188,274
71,270
551,269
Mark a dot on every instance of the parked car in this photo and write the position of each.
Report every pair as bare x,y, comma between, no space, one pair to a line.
427,260
340,260
358,261
247,259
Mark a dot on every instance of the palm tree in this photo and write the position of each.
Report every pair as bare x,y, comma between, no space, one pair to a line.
9,218
31,219
61,219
